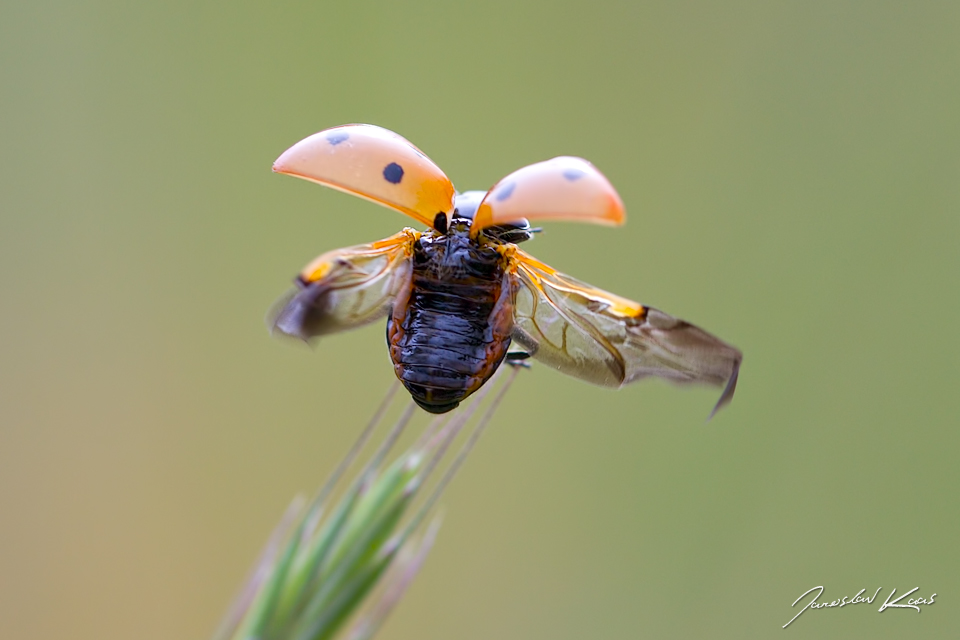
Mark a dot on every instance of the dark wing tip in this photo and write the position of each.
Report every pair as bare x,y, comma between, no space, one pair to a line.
286,317
728,391
273,313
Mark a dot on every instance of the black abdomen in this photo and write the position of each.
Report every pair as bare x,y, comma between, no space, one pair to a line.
452,334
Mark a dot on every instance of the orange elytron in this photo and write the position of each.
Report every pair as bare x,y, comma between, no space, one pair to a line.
457,295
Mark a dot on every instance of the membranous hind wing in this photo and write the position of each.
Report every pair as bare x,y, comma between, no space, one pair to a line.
611,341
346,288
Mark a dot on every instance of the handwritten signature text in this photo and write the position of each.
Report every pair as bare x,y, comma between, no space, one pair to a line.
912,603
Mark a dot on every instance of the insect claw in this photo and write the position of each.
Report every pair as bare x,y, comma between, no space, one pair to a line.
517,359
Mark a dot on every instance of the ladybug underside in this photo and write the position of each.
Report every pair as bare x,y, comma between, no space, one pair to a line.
451,330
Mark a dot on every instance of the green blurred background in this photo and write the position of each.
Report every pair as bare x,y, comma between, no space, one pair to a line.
791,172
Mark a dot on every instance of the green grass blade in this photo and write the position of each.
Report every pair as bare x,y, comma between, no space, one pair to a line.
295,591
262,569
261,611
348,598
364,554
404,569
386,491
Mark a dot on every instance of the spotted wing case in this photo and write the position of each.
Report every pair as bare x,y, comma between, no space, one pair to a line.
372,163
564,188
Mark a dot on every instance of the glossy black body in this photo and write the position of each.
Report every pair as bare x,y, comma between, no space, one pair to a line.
452,332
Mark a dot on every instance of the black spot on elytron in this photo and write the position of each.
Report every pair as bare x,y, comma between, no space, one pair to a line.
393,173
505,192
337,137
573,174
440,222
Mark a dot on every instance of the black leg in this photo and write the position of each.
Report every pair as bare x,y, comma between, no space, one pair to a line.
518,359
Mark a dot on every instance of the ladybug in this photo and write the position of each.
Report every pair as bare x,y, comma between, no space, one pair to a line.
458,293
